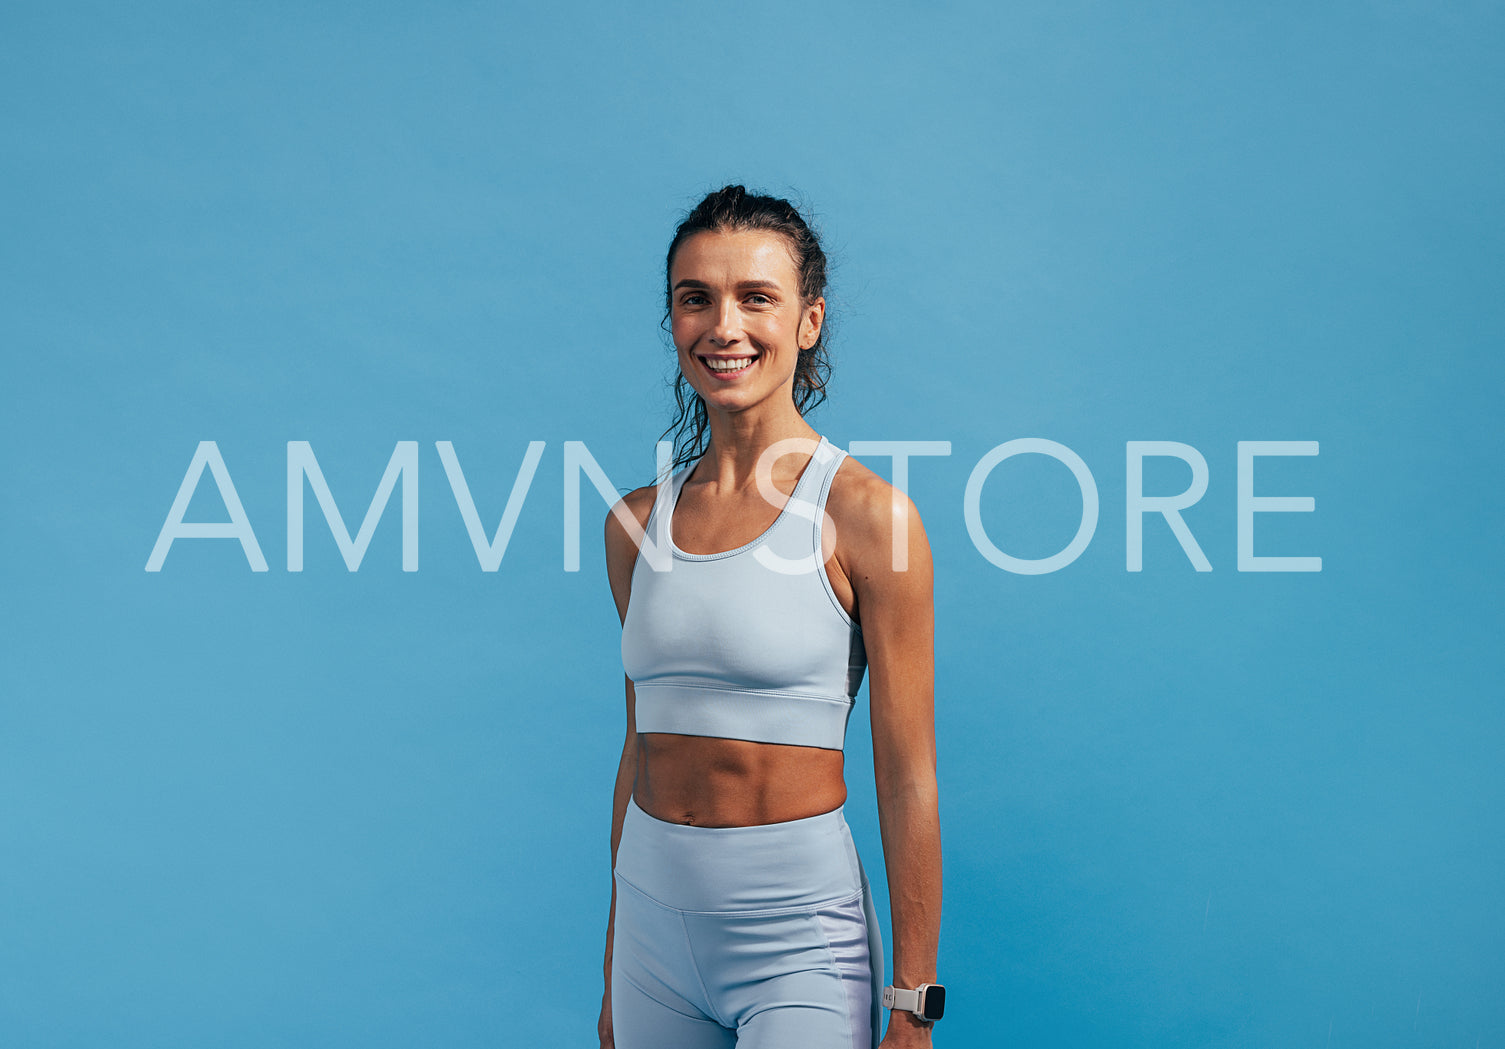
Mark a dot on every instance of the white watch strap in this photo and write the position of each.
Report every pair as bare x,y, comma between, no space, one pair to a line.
899,998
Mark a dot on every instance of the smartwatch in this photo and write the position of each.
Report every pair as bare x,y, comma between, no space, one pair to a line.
927,1001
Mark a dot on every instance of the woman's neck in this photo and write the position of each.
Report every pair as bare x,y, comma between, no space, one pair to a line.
738,439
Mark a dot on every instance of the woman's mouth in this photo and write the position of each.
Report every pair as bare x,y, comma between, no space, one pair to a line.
728,367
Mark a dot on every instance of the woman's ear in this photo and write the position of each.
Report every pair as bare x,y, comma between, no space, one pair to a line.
811,319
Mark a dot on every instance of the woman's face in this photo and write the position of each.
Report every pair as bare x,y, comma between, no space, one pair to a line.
737,319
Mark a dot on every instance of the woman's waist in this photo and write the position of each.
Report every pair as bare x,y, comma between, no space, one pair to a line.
771,867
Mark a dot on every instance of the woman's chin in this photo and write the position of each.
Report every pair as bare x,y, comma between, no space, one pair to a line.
726,405
739,397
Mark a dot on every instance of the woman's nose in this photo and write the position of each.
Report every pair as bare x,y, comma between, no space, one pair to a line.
728,328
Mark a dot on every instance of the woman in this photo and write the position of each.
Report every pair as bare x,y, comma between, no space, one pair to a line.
755,587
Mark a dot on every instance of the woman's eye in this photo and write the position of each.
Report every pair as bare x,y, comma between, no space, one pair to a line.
757,298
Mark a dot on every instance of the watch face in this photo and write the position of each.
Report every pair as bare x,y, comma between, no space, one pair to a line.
935,1002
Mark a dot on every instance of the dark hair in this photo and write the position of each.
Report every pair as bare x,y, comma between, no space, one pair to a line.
732,209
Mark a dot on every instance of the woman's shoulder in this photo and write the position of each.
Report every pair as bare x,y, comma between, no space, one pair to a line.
636,505
866,509
862,498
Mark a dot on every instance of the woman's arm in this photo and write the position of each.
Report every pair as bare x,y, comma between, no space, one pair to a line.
621,794
621,555
894,600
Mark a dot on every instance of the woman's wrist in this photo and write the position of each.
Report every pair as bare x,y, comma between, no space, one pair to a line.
905,1028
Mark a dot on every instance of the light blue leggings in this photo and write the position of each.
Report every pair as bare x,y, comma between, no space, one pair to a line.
756,937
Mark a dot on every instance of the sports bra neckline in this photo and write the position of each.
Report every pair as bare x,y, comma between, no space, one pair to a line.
678,487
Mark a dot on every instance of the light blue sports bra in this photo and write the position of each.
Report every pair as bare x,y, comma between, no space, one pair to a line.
750,643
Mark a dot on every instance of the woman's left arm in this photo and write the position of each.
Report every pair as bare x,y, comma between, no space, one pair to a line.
892,578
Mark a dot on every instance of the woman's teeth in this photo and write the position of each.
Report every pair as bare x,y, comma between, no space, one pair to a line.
727,365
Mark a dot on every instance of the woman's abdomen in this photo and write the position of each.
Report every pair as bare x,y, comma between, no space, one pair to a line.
711,782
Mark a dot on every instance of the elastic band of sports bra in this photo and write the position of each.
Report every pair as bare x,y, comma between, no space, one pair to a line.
768,716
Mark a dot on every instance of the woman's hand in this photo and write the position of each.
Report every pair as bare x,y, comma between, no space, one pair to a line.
603,1025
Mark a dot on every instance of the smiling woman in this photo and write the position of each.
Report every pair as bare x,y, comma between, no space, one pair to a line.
741,914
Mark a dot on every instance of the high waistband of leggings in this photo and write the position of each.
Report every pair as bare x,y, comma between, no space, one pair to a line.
768,867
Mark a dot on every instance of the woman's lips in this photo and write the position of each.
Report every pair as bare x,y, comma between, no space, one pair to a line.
728,367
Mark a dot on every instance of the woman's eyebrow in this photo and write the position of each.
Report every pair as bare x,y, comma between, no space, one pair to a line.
746,285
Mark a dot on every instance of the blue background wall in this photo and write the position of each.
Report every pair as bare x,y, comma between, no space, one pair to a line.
371,808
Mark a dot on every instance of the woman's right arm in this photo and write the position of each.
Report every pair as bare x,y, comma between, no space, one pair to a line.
621,555
626,773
